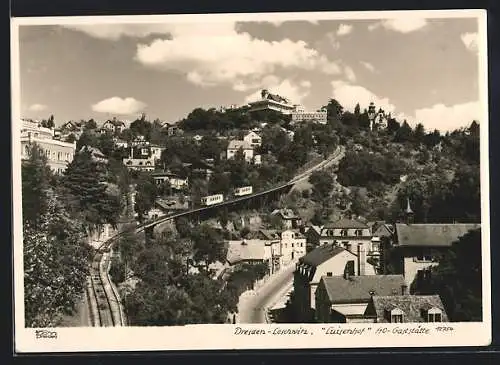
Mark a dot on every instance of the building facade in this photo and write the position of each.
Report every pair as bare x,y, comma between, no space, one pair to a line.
345,299
273,102
417,247
59,154
303,116
326,260
346,233
253,139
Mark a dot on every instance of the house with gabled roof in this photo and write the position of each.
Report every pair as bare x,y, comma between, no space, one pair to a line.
114,125
416,248
347,233
288,218
325,260
249,251
343,299
406,309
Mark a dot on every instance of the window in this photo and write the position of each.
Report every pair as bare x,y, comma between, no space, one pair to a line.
434,317
343,232
59,156
359,232
396,318
47,153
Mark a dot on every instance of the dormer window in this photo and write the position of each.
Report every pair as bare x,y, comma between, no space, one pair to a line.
433,315
343,232
359,232
396,315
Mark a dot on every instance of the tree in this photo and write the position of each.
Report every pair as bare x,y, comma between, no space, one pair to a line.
208,245
404,133
36,177
55,266
419,133
147,191
359,202
322,185
357,110
87,139
458,279
49,123
106,144
87,192
392,125
91,124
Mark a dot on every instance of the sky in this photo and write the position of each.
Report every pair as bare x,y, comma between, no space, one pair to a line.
422,70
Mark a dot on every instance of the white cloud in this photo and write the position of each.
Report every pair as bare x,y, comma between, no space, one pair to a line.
117,105
349,73
344,29
448,118
348,95
117,31
405,24
37,107
214,54
295,93
470,41
368,66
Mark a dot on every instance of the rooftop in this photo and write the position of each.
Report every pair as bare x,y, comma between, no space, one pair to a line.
356,289
346,224
432,235
411,305
321,254
237,144
244,250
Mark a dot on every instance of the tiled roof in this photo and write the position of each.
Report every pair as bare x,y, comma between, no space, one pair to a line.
357,289
237,144
346,223
270,234
245,250
431,235
411,305
321,254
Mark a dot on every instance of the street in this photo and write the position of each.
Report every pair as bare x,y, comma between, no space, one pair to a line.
254,304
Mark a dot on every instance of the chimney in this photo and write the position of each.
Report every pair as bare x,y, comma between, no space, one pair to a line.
404,289
361,260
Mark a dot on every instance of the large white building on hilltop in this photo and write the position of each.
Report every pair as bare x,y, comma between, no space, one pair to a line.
59,154
274,102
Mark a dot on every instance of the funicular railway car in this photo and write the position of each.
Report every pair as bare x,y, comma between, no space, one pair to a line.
212,199
245,190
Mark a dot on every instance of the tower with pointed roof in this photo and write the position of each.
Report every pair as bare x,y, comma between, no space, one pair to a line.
409,215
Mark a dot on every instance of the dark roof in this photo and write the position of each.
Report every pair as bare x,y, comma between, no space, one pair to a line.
321,254
357,289
346,223
411,305
270,234
431,235
115,122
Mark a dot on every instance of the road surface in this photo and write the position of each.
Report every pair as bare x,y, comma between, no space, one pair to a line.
253,305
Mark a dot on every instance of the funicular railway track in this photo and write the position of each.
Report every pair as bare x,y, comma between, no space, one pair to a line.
103,298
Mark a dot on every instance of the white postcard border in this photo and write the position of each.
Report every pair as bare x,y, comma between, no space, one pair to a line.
213,337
